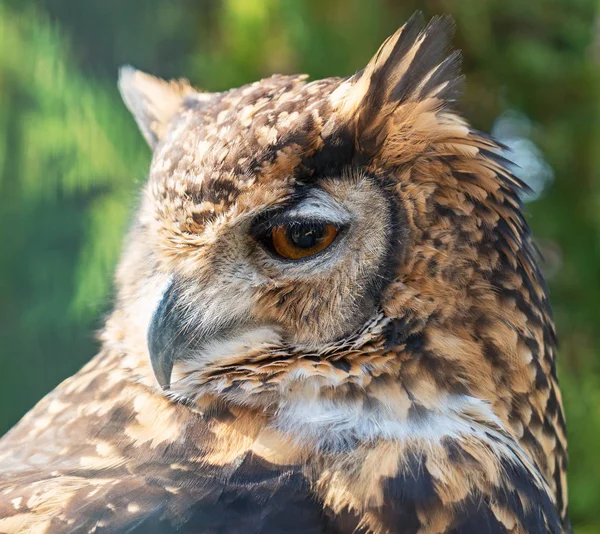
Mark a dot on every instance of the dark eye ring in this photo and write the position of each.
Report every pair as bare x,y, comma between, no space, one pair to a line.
300,239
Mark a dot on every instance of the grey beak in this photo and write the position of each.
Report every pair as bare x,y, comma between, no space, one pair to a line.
165,336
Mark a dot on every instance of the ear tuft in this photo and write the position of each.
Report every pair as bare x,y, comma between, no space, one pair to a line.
412,64
152,101
412,68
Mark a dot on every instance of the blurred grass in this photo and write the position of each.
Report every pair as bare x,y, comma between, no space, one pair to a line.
71,159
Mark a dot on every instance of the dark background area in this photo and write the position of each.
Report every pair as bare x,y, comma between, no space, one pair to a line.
71,160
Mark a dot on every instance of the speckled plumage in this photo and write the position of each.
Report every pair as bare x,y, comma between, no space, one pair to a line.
403,381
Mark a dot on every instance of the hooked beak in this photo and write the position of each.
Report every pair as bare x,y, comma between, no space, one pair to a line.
166,336
175,334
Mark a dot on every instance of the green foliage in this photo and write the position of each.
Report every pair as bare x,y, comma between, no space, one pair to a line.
68,153
71,160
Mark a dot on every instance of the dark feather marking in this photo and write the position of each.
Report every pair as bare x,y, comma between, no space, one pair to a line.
435,45
403,330
411,489
457,455
398,239
488,137
341,364
540,505
476,517
343,522
447,72
378,84
260,498
337,152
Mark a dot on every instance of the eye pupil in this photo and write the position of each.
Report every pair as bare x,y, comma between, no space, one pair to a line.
305,236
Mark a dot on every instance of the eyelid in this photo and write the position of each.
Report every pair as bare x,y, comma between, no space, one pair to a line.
263,228
316,206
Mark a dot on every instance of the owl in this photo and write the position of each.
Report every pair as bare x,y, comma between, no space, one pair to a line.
330,318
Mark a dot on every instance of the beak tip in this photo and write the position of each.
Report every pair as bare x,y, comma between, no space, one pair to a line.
163,338
161,366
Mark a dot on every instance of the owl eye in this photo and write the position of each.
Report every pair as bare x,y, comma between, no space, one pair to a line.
297,240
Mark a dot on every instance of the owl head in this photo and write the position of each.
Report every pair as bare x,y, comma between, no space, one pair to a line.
345,238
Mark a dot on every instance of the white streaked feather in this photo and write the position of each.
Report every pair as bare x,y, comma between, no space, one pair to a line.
334,423
320,205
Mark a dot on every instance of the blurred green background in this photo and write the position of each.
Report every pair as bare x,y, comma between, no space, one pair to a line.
72,162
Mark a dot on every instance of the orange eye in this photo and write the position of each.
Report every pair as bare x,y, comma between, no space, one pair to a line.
300,240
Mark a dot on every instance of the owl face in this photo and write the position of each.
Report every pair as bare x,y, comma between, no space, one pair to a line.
259,233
